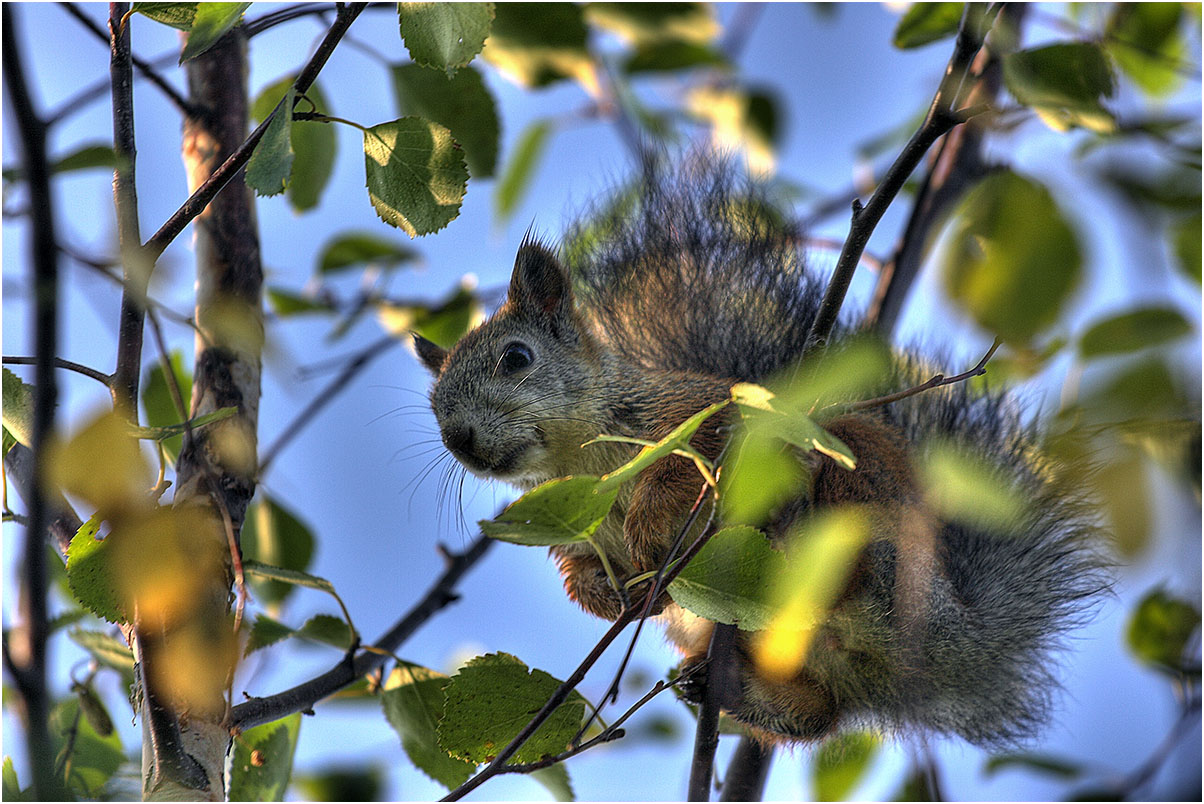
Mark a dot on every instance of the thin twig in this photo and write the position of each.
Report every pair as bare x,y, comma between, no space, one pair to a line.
147,69
936,382
303,696
25,648
942,116
286,14
100,89
562,692
328,393
219,178
78,368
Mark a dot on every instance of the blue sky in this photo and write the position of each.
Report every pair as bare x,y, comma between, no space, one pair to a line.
355,474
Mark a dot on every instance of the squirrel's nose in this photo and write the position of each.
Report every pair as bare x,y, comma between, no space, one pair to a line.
459,438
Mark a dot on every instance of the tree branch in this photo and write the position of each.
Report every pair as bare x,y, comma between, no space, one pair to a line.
747,772
303,696
936,382
201,197
78,368
148,70
706,737
26,646
940,119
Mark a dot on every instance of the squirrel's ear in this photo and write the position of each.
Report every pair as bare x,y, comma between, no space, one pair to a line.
540,282
430,353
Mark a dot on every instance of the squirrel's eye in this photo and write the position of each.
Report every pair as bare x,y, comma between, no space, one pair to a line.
515,357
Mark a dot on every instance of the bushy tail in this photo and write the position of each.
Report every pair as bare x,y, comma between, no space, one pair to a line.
693,268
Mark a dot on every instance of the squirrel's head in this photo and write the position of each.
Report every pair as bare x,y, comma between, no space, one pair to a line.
512,396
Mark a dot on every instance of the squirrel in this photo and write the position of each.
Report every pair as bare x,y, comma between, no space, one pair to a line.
662,301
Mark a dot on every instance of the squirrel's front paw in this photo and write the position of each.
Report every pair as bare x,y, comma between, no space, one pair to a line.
586,582
693,675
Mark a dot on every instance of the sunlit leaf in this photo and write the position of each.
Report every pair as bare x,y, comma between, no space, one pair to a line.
677,439
17,407
492,698
444,36
1064,83
841,762
1122,485
819,560
741,119
923,23
1145,40
555,779
263,760
176,15
12,788
210,24
560,511
535,44
656,23
965,488
416,174
1012,259
461,102
443,323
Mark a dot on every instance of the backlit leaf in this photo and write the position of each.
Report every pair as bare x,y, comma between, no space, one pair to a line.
512,184
271,163
560,511
413,704
17,407
416,174
263,760
1160,628
211,23
444,36
923,23
1146,42
461,102
94,758
176,15
1064,83
535,44
1130,332
656,23
840,764
727,580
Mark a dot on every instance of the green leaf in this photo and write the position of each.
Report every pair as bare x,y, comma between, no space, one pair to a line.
963,487
841,762
416,174
512,184
1185,239
86,157
157,398
536,44
726,581
91,575
674,56
342,784
274,535
210,24
263,760
313,142
820,556
927,22
1065,84
271,163
94,758
1039,763
176,15
656,23
413,705
555,779
1160,629
492,698
759,475
1145,41
445,323
286,304
9,441
93,709
172,430
461,102
793,427
17,405
678,439
1013,259
444,36
1133,331
265,632
328,630
353,249
560,511
12,789
107,650
1123,488
297,578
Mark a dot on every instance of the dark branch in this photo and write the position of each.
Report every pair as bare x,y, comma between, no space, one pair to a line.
78,368
936,382
218,179
99,89
286,14
304,696
747,772
26,646
706,737
940,119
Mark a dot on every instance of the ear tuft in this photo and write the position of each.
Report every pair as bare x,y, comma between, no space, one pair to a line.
539,282
430,353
